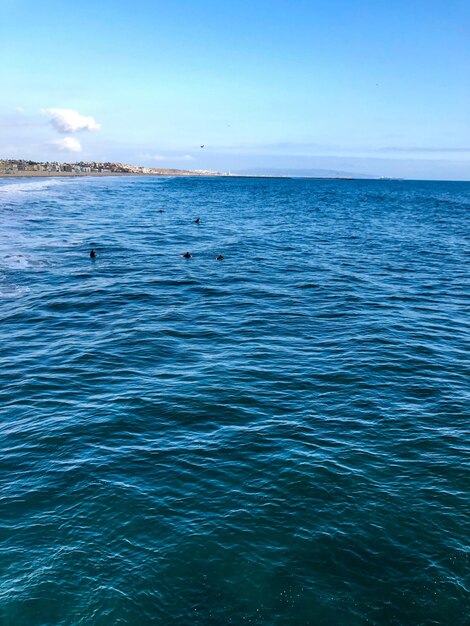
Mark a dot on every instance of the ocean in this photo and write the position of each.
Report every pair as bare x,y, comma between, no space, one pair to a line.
277,438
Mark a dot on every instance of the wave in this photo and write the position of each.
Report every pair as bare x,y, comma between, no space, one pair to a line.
17,261
12,188
8,290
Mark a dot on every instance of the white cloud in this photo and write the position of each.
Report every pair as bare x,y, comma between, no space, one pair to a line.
67,144
70,121
161,157
19,110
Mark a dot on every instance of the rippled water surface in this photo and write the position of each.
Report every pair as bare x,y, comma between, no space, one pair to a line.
278,438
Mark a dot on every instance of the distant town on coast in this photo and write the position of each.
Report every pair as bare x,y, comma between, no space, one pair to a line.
22,167
13,168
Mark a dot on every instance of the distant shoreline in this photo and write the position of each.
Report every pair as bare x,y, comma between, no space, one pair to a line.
36,174
176,174
186,174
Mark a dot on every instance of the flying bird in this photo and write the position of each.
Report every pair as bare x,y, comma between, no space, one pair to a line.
202,146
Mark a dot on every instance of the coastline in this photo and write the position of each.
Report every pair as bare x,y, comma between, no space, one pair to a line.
182,174
35,174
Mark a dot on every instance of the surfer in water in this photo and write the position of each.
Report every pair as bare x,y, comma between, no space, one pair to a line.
220,257
187,255
197,220
92,253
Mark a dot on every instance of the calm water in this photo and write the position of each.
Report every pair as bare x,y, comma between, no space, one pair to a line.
279,438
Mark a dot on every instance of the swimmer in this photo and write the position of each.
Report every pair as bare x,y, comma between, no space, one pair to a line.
186,255
92,253
197,221
220,257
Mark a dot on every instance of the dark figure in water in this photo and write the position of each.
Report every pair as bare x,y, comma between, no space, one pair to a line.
92,254
186,255
197,221
220,257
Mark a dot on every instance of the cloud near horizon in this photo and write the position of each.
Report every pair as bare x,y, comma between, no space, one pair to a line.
67,144
425,149
162,157
70,121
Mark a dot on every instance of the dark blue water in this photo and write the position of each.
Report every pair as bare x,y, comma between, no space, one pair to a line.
278,438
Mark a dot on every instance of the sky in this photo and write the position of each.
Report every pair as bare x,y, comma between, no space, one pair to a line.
374,88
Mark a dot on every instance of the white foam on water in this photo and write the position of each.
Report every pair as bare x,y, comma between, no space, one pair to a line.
16,261
13,188
11,291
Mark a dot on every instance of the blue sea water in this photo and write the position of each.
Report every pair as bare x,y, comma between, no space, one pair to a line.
278,438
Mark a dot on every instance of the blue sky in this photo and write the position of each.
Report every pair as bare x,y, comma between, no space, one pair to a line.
378,88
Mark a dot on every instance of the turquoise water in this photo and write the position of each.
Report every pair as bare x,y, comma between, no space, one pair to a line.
278,438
